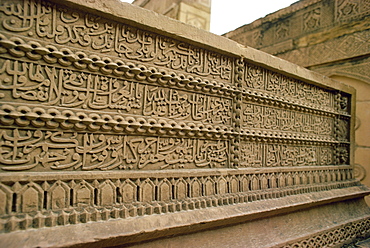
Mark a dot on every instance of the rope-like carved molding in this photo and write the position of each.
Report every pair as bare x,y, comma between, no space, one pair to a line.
52,118
280,101
236,118
17,47
237,110
291,104
124,198
340,235
38,117
273,88
287,137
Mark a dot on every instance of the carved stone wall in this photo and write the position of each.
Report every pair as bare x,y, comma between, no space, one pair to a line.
193,12
116,129
330,37
311,32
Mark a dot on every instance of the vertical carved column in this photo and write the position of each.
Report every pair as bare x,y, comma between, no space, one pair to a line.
235,142
342,128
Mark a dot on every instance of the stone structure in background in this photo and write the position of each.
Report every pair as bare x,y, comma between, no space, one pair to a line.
330,37
119,126
194,12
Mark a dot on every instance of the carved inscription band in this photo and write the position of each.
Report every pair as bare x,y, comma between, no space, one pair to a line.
63,26
126,122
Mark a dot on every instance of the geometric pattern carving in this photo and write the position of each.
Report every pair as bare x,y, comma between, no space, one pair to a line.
112,121
300,24
339,48
339,235
346,9
282,30
312,19
72,200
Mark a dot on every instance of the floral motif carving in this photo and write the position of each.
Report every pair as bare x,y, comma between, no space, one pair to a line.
312,19
282,30
346,9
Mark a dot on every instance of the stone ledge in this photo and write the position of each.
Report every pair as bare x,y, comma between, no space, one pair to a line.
88,175
144,228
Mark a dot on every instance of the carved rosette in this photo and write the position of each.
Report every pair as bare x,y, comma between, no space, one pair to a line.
359,172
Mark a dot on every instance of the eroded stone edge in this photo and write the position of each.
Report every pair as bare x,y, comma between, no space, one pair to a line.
155,226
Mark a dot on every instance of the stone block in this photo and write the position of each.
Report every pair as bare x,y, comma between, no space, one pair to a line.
119,126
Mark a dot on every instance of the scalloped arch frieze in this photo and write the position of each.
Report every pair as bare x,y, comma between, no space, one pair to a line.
102,120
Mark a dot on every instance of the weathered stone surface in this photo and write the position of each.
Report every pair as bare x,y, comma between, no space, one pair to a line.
278,222
311,32
194,12
120,126
330,37
277,231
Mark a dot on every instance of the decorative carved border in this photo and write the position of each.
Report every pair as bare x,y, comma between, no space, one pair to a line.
51,118
33,201
61,25
79,198
336,236
20,48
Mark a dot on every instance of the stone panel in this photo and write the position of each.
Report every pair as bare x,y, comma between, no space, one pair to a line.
330,37
193,12
311,32
105,116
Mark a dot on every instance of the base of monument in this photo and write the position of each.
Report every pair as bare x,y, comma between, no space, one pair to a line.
328,218
329,225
